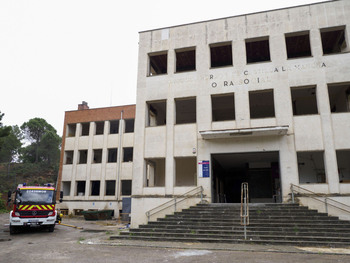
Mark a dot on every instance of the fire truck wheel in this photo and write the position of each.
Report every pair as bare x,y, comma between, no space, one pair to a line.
51,228
13,230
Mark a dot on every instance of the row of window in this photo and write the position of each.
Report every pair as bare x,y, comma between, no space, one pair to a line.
98,156
257,50
261,105
95,188
100,127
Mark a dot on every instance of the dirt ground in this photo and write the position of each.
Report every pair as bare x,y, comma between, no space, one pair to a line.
90,243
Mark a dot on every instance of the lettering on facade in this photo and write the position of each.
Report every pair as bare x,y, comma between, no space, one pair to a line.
249,77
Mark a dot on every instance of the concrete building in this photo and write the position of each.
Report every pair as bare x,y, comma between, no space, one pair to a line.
261,98
97,158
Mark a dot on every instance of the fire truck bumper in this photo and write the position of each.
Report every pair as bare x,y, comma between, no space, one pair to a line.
17,221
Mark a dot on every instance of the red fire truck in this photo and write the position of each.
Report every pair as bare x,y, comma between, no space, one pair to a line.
34,206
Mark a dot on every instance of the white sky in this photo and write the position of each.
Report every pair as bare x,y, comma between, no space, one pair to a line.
55,54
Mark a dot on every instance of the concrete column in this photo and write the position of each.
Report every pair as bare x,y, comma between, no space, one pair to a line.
169,162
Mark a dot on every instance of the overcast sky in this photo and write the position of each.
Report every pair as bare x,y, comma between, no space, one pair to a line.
56,54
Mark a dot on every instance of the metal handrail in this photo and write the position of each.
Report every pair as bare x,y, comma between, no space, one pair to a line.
175,201
245,208
316,196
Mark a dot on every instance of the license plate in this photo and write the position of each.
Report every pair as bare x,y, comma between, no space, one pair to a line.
33,220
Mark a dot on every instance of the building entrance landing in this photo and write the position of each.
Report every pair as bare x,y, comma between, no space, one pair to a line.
259,169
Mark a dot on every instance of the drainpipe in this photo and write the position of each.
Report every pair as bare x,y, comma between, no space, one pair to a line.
119,151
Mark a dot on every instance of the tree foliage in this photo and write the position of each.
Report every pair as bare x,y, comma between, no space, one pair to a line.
4,130
44,142
11,145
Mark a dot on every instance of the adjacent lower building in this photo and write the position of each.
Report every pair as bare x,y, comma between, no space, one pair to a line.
97,159
262,98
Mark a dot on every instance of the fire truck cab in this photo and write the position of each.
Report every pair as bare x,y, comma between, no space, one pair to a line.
34,206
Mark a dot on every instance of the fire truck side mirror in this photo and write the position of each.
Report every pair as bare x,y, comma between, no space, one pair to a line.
9,193
61,196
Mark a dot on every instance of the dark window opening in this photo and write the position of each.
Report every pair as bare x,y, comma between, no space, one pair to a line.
128,154
129,125
155,172
333,40
83,156
156,113
221,55
80,188
185,110
311,168
223,107
95,187
99,127
110,187
158,64
126,187
304,100
98,156
71,130
257,50
339,97
68,157
185,60
186,171
66,188
343,157
112,155
85,127
261,104
298,45
114,127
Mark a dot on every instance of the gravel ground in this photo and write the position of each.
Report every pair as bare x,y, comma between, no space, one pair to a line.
89,241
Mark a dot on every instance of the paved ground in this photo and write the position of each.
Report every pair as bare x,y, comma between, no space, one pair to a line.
90,243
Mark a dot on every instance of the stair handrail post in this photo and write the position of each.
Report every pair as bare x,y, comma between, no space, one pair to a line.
244,208
325,204
201,194
292,189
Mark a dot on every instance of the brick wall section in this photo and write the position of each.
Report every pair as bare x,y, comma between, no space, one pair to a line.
90,115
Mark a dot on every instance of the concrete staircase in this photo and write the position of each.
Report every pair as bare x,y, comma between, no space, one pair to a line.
279,224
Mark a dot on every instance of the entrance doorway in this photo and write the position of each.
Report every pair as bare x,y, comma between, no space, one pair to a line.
259,169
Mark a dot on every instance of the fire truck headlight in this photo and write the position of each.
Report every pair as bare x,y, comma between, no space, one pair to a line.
15,214
51,213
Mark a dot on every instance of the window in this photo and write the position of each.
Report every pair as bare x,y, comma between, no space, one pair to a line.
83,156
298,45
186,171
261,104
71,129
80,186
343,157
112,155
99,127
126,187
185,110
66,188
185,59
304,100
158,63
339,97
97,156
257,50
85,127
95,188
68,157
129,125
155,172
333,40
110,187
223,107
114,127
156,113
311,167
221,55
128,154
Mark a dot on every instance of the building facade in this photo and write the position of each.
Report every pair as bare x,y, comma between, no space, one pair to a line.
261,98
97,158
